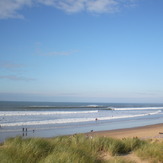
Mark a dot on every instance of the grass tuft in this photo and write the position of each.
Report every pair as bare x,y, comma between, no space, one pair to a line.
77,148
151,151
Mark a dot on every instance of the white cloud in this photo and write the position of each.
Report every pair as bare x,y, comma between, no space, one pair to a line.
11,8
72,6
10,65
13,67
15,77
47,2
95,6
41,52
102,6
58,53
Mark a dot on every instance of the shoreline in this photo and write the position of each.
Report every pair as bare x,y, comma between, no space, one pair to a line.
144,132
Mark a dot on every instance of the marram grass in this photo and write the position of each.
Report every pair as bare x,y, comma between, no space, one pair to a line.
77,149
152,151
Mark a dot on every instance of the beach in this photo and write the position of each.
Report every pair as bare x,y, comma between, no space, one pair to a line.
50,119
101,146
144,132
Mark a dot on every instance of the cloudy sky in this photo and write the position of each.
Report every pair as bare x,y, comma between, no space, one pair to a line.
81,50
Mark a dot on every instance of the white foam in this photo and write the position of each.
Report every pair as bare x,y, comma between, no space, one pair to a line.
142,108
130,116
57,121
73,120
93,106
27,113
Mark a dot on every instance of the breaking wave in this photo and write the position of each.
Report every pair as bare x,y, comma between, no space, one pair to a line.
73,120
141,108
28,113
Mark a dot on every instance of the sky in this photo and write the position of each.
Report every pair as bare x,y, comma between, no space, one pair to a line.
81,50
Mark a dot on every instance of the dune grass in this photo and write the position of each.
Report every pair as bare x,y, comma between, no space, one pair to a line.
152,151
77,149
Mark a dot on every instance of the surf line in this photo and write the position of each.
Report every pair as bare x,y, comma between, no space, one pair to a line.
75,120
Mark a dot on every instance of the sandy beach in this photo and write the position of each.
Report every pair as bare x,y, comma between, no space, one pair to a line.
145,132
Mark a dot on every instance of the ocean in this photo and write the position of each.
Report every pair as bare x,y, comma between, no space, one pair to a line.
49,119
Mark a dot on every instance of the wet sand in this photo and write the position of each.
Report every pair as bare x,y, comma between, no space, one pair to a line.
145,132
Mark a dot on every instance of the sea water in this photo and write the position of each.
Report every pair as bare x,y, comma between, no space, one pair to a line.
48,119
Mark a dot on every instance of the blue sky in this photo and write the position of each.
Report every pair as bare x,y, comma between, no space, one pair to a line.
81,50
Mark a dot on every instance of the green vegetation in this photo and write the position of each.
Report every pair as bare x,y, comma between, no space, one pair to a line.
77,149
152,151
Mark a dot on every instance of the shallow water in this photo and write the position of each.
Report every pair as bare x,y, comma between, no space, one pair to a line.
54,119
